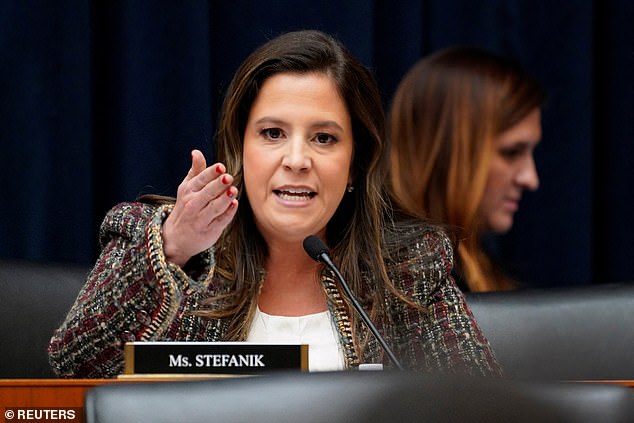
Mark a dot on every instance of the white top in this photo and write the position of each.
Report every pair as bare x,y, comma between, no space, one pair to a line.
317,330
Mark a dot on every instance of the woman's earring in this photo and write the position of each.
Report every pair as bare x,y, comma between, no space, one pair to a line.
349,188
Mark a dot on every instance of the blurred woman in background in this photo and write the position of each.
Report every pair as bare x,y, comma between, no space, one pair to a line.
464,123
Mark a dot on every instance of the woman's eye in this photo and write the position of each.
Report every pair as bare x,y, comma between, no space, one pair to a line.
511,153
272,133
325,139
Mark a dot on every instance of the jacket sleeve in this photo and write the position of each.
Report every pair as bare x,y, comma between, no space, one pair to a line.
438,332
132,293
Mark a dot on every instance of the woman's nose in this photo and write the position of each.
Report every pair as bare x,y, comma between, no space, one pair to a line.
296,156
527,177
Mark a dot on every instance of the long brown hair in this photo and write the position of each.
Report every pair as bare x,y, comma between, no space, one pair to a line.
445,114
354,234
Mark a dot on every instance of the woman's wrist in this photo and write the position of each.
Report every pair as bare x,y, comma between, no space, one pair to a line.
172,252
173,255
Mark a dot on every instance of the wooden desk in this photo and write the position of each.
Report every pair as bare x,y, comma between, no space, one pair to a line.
47,392
70,393
63,392
628,383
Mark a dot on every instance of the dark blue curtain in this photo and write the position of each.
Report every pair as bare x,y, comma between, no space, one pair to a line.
101,101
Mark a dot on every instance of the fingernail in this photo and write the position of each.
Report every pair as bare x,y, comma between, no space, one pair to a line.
218,169
229,193
224,179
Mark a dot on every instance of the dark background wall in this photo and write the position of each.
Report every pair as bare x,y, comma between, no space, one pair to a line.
101,101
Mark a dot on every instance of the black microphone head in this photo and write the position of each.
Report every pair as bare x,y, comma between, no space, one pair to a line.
315,247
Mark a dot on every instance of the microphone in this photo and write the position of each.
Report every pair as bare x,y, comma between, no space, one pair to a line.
318,251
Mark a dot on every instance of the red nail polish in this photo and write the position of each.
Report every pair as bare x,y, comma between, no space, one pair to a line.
224,179
218,171
229,193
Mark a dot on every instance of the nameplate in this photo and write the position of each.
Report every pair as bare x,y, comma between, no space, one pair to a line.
244,358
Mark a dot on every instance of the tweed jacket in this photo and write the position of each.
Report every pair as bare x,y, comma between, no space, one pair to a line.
133,293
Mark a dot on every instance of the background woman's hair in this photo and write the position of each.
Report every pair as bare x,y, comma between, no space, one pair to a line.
446,113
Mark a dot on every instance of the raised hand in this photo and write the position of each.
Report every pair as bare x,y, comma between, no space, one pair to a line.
205,204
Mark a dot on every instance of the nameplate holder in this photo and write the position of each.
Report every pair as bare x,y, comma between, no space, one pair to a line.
233,358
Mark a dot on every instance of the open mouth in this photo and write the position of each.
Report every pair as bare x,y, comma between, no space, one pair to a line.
294,194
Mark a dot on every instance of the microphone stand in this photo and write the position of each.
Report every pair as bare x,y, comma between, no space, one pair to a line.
326,259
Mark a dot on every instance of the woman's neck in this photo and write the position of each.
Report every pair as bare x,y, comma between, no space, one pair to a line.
292,286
